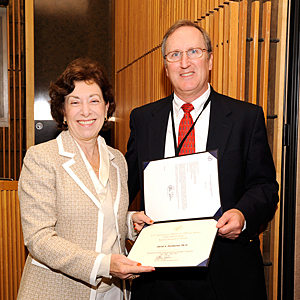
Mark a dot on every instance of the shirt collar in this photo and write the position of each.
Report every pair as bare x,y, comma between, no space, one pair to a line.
197,103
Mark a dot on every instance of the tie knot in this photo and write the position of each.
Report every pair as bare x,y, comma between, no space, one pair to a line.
187,107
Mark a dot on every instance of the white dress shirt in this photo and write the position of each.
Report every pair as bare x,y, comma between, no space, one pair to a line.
109,239
201,126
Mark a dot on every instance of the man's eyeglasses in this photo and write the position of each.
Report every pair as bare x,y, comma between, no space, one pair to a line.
193,53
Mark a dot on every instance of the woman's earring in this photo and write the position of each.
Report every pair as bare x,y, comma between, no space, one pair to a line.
105,118
65,122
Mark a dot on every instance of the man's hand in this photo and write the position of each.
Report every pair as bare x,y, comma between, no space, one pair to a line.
139,220
124,268
231,224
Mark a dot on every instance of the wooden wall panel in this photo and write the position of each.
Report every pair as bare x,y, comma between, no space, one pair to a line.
215,40
210,31
254,52
265,53
12,250
242,50
280,57
29,62
204,8
13,138
220,29
233,48
226,50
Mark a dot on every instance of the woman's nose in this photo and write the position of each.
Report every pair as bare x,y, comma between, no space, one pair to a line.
85,109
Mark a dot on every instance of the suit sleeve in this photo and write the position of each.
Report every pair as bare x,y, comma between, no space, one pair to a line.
132,161
258,204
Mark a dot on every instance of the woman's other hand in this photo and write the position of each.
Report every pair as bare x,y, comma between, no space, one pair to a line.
139,220
124,268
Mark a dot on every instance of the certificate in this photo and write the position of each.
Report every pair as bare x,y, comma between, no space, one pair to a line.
183,187
175,244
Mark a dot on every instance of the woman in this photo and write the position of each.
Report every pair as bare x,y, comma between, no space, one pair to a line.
74,199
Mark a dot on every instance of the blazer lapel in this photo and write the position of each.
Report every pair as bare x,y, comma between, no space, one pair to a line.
75,166
220,125
157,129
115,182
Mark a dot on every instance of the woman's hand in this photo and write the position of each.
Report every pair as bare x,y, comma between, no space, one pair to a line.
124,268
139,220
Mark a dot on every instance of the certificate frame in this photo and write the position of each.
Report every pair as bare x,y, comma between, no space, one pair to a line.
186,243
192,181
4,111
182,196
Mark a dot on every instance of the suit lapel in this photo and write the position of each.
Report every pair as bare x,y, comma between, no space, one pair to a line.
220,125
75,166
157,128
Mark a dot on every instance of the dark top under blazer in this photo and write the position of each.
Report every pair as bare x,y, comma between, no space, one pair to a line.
246,174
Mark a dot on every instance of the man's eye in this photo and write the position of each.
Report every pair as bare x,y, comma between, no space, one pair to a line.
175,54
194,51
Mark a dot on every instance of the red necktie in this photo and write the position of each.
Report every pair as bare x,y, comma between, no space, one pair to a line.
185,125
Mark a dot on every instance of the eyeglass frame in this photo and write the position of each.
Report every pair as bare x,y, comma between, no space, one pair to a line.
181,53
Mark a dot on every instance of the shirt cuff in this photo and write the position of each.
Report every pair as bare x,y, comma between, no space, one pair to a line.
132,234
244,226
104,268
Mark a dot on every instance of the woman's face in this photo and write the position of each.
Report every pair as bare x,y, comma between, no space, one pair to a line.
85,110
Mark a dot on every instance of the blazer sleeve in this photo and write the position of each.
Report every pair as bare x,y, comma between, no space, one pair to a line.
259,201
38,195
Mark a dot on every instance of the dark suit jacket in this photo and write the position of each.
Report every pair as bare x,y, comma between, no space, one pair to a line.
247,182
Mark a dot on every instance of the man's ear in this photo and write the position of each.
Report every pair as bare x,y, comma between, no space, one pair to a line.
167,73
211,61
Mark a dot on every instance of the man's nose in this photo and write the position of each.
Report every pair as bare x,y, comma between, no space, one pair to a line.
185,60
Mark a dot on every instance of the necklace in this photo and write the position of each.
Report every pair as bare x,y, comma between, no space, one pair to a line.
94,168
94,158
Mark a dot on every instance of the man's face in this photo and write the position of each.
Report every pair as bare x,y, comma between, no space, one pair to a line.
188,77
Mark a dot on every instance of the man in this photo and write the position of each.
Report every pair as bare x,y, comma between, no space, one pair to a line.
248,187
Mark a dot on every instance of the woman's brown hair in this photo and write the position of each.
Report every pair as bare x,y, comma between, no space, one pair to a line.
81,69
